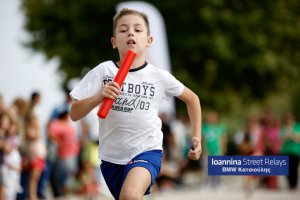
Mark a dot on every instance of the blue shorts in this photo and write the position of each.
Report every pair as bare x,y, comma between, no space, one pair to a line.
115,175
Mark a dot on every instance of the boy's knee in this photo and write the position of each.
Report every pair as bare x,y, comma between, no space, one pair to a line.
130,194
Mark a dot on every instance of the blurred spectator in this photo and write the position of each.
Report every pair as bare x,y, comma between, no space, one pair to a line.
63,133
13,131
182,133
11,170
51,144
247,140
20,107
89,144
214,134
2,104
36,153
84,183
169,140
168,177
270,142
247,144
35,100
34,108
215,143
4,127
10,156
169,173
62,107
290,134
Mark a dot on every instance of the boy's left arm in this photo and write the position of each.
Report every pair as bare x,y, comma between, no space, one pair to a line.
194,110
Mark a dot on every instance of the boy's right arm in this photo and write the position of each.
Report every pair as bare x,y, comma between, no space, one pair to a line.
81,108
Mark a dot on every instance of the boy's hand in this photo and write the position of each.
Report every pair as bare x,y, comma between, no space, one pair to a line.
110,90
195,152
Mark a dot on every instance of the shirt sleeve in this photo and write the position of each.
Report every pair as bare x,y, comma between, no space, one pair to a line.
53,129
173,87
87,87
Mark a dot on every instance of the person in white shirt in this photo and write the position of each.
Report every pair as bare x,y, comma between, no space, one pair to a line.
130,138
11,171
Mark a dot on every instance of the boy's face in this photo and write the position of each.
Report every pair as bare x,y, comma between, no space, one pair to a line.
131,34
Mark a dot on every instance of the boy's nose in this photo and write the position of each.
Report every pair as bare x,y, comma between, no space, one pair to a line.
130,32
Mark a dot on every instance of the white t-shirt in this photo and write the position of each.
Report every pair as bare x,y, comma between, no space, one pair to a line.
92,119
11,175
132,126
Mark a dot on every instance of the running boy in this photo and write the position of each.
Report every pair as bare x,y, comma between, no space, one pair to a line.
130,138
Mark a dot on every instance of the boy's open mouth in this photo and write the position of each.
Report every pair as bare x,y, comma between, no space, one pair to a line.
130,42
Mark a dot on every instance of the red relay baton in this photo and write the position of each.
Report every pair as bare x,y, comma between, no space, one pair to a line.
119,78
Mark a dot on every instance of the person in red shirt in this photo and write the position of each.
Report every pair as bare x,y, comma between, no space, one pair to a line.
63,133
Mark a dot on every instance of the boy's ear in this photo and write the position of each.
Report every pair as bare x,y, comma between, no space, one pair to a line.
113,42
150,40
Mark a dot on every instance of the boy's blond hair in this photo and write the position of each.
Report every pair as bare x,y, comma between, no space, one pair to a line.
127,11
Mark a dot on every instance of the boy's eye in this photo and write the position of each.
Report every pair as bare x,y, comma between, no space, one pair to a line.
138,30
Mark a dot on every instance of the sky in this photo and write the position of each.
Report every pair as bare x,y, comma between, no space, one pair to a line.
23,71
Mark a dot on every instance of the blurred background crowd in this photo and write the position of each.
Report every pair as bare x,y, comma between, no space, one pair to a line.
60,158
61,154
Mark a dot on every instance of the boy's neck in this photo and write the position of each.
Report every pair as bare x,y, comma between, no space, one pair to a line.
138,61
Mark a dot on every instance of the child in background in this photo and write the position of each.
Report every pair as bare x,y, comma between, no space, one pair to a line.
63,133
5,122
11,170
215,144
290,134
247,141
36,153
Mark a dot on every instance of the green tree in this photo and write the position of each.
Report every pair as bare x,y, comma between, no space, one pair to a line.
232,53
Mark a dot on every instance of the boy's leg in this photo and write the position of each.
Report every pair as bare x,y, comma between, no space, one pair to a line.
136,184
